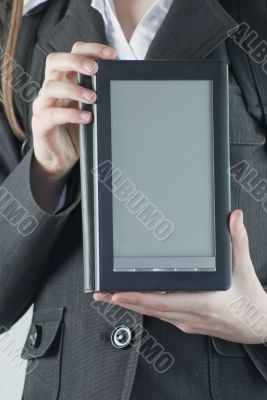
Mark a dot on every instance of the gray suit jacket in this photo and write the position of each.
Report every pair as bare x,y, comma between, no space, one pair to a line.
68,348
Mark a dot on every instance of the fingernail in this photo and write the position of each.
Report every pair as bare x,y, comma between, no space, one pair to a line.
241,219
89,66
102,297
99,295
106,298
85,116
88,95
107,51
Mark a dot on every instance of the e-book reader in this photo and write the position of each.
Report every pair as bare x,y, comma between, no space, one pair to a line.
155,183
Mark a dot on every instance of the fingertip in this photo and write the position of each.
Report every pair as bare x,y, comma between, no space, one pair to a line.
85,117
109,52
236,220
97,296
106,297
238,229
240,217
113,52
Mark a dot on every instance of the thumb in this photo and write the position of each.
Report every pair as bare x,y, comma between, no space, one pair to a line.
239,238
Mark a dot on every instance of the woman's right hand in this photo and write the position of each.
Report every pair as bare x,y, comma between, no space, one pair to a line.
56,118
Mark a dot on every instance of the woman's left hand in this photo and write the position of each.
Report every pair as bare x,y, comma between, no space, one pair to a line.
231,315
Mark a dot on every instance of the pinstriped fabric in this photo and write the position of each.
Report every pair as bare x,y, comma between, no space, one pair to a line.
51,274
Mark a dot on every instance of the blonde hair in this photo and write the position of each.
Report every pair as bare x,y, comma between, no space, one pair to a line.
7,73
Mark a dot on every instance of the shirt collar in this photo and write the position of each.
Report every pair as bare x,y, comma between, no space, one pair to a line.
143,34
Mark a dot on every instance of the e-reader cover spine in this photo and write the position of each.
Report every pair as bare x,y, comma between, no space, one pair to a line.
87,189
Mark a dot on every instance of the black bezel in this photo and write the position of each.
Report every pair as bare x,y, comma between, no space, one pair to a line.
216,71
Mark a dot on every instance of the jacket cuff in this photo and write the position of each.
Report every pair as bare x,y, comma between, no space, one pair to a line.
17,189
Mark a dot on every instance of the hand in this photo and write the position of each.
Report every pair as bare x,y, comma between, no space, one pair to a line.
56,118
208,313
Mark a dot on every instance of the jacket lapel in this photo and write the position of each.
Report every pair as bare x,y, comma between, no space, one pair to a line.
81,22
191,30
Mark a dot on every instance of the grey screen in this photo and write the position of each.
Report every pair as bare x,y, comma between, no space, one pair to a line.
163,174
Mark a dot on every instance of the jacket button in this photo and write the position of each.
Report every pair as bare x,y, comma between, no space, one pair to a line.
35,336
121,337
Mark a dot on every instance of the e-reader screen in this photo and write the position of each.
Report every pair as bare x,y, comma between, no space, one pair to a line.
162,143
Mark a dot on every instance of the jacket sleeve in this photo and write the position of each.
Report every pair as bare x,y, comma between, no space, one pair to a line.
27,233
